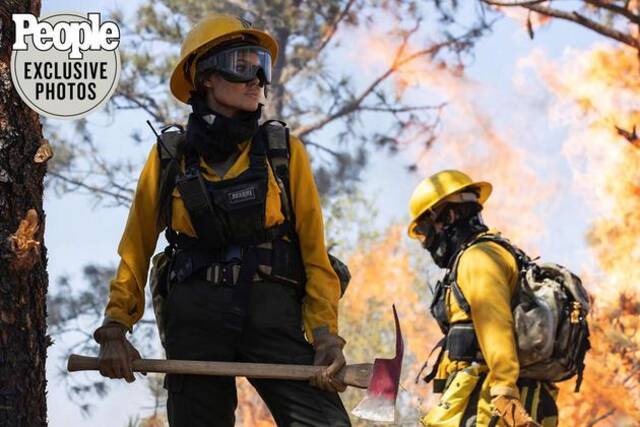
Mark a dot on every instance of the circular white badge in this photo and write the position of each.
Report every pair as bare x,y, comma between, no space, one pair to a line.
64,65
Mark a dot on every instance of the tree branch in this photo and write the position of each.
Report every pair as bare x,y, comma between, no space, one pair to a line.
334,26
120,198
401,109
323,148
600,418
573,17
523,3
620,10
151,109
355,104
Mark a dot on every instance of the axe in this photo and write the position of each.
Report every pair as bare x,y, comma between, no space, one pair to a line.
381,378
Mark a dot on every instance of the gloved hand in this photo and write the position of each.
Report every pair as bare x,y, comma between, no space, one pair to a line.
328,349
116,352
511,411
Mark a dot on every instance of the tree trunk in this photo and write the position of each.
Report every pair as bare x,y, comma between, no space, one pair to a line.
23,275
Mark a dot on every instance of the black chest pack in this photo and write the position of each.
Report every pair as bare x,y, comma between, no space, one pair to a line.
233,247
549,308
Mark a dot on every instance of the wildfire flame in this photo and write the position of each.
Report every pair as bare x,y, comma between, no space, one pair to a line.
593,92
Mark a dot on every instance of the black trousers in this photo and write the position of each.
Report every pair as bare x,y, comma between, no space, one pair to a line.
195,313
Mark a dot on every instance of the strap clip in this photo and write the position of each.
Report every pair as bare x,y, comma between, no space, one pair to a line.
223,274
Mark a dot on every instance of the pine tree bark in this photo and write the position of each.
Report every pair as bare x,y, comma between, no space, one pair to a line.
23,275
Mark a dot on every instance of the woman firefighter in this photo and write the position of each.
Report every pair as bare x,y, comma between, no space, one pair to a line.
247,265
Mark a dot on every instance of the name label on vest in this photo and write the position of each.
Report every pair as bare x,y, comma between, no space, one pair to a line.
243,195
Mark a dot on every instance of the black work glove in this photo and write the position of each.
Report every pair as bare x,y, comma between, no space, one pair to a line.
328,349
116,352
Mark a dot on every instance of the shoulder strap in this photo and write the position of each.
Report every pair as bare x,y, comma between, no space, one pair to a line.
279,153
169,142
169,151
519,256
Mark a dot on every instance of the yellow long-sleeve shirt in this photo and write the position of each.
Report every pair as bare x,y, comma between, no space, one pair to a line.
126,295
487,276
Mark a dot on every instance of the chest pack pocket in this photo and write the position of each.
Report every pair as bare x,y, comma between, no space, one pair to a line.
231,211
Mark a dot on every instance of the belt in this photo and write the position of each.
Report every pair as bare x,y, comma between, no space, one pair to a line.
220,274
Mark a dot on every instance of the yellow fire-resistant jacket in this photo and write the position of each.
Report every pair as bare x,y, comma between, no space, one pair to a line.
487,276
126,296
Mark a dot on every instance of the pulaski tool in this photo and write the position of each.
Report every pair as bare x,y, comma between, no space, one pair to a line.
381,378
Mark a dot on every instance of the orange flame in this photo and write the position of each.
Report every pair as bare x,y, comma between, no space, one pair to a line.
596,93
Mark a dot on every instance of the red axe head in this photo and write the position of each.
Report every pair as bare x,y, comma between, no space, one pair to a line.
380,402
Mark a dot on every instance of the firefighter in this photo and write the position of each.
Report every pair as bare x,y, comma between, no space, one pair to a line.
477,370
248,277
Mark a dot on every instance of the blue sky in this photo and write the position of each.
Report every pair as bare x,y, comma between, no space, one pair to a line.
77,233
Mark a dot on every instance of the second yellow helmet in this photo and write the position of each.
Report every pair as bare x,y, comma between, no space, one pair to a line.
438,187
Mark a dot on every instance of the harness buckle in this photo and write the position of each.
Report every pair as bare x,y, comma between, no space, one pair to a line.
223,274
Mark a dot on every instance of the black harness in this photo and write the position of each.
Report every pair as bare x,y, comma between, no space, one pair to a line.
233,246
459,339
231,211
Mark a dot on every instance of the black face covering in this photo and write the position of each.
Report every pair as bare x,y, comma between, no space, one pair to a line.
216,137
452,237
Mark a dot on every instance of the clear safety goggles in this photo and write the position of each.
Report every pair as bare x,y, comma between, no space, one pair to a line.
240,64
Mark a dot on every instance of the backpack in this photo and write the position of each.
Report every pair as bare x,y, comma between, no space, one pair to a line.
549,308
278,152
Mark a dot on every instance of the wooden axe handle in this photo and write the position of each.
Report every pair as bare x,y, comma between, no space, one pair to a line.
352,375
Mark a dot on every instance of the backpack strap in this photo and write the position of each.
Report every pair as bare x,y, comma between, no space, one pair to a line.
520,257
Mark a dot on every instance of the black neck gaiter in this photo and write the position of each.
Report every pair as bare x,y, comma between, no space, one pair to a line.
215,136
446,244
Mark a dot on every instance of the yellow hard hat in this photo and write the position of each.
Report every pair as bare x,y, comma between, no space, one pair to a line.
213,30
438,187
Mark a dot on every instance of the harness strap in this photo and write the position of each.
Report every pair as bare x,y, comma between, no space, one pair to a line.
434,370
196,200
234,318
520,257
221,168
277,140
187,262
547,408
459,296
586,345
270,142
426,362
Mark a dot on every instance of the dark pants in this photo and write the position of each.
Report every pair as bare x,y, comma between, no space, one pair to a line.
272,333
